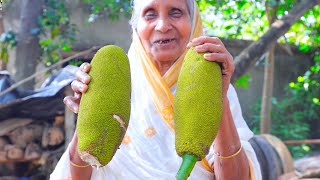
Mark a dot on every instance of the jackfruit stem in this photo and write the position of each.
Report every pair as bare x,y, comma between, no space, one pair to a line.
188,162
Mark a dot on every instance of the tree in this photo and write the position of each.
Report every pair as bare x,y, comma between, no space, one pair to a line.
248,20
251,54
28,49
268,76
248,56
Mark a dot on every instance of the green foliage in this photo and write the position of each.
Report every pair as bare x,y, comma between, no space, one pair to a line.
7,41
57,33
244,19
243,81
284,125
299,108
109,8
305,32
248,20
75,62
234,19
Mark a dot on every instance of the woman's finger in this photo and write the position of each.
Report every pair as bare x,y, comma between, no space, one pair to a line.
83,77
209,47
77,95
223,58
206,39
72,103
85,67
79,87
218,57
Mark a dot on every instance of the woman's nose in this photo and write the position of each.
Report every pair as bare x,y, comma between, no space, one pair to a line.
163,25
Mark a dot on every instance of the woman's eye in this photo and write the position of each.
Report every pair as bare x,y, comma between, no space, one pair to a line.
176,13
150,15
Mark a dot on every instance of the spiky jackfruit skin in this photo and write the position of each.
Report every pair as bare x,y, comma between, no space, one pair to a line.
198,105
104,109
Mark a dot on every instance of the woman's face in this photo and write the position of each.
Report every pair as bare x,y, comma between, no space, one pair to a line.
164,28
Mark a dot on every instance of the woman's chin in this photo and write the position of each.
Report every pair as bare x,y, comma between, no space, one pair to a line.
166,58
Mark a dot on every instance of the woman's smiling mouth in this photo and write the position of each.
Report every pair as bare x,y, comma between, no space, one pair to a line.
164,41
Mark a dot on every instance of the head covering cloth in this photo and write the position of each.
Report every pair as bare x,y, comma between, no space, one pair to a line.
160,85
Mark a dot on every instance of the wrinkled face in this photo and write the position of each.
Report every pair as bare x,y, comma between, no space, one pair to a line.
164,28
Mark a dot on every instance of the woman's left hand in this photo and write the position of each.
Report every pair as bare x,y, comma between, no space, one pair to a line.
215,50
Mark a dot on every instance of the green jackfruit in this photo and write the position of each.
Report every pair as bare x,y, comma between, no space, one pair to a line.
104,109
197,109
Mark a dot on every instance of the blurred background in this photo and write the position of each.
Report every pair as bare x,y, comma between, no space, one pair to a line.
275,44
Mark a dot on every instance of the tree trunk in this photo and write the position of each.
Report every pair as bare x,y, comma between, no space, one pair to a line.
27,50
252,53
267,93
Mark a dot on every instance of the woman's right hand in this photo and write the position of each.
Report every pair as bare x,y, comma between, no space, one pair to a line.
79,86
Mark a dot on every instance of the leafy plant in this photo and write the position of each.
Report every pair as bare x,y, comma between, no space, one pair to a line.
295,116
7,41
243,81
109,8
57,33
284,125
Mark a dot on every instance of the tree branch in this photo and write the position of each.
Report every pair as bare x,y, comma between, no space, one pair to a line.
252,53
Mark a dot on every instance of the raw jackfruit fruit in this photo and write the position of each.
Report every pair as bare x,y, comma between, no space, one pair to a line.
104,110
197,109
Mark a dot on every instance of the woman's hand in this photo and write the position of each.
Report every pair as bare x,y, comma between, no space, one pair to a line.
79,86
78,173
215,50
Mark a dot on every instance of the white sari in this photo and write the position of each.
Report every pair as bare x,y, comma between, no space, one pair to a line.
148,148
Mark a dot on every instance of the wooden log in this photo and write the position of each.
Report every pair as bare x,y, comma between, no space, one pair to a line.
305,141
14,152
52,136
58,121
3,156
32,151
312,173
49,159
13,123
3,142
26,134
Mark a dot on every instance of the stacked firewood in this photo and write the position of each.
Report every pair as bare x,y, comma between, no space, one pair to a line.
28,144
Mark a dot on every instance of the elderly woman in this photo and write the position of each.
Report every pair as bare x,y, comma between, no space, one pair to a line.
162,31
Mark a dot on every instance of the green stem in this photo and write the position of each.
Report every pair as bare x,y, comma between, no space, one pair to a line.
188,162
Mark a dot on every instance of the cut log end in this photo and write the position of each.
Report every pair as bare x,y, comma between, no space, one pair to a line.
32,152
14,152
53,136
